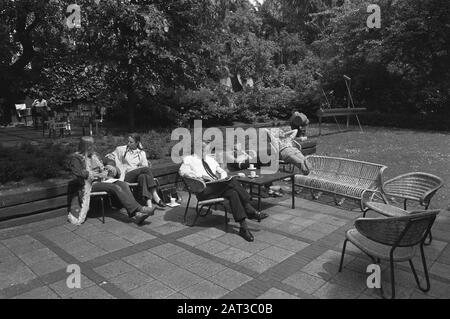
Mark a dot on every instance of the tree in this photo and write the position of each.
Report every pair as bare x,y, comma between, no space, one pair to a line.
402,67
29,34
145,45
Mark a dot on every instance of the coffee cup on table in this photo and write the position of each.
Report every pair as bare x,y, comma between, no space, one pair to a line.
252,174
173,201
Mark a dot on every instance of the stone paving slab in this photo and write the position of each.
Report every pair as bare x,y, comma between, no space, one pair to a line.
296,254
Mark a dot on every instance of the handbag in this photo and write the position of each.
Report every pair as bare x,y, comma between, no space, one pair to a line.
167,192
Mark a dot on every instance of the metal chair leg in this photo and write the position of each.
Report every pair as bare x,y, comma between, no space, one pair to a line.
226,218
391,264
342,256
103,209
391,261
197,211
186,210
430,239
425,270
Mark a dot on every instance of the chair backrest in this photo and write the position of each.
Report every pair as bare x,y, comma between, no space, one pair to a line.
415,185
362,174
194,185
402,231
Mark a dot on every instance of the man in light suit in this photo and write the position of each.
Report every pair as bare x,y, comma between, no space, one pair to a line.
206,168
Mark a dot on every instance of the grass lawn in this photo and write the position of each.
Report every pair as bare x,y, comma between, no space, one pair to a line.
400,150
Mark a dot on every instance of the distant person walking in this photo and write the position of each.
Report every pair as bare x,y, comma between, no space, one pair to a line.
39,109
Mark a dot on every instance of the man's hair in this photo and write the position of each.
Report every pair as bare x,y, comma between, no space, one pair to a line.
86,143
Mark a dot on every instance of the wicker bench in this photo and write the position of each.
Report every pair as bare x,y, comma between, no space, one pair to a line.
342,177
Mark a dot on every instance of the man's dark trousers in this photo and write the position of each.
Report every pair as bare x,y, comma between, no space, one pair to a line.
233,191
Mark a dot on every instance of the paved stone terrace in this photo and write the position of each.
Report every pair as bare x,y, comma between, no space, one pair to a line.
295,254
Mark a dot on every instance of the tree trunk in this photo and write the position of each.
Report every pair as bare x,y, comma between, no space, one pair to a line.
131,103
8,105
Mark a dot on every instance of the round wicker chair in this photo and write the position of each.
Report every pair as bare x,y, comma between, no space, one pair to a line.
415,186
395,239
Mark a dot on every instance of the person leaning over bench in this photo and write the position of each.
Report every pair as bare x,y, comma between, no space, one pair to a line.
299,122
93,177
132,161
284,144
206,168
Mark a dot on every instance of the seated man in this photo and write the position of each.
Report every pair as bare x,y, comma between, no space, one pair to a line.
206,168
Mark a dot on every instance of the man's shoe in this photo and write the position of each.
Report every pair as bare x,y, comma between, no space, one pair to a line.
258,216
142,215
148,210
124,211
246,234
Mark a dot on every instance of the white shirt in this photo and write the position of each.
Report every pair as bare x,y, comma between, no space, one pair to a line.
128,160
193,167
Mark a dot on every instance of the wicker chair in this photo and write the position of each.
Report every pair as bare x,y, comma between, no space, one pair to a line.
196,186
415,186
394,239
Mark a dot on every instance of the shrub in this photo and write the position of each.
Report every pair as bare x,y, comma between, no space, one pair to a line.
44,161
32,161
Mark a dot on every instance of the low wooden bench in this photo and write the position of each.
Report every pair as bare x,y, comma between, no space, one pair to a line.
342,111
52,200
342,177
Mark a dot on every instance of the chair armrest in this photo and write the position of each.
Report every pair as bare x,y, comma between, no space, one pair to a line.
194,185
299,146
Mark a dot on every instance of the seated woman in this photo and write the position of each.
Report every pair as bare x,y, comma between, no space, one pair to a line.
290,153
132,162
93,176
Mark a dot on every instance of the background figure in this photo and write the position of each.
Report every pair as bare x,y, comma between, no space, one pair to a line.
132,162
299,122
39,109
34,115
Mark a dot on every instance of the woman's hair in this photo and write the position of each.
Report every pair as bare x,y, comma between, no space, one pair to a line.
137,138
86,144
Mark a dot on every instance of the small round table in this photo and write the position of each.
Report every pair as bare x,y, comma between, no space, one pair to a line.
386,209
